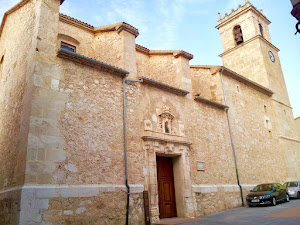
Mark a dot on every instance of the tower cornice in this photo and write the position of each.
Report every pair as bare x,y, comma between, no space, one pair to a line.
241,10
248,41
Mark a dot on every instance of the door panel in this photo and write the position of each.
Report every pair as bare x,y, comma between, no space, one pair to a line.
166,191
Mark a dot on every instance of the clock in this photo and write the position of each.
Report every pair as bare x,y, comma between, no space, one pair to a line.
272,57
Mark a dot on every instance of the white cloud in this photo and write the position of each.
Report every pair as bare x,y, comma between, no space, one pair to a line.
157,20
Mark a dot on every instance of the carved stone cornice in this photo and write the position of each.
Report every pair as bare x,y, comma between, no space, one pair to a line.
127,27
175,53
163,137
113,27
76,23
118,27
241,10
184,54
142,49
248,41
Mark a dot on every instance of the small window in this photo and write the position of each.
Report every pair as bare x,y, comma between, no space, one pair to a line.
237,88
265,107
68,47
261,29
238,35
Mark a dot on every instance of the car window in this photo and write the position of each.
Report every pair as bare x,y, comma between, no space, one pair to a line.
290,184
263,187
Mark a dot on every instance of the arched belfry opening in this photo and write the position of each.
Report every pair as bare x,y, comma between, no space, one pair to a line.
238,35
261,29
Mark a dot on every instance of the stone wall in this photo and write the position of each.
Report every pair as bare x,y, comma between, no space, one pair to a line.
85,38
15,92
17,50
255,132
206,83
215,198
81,204
248,60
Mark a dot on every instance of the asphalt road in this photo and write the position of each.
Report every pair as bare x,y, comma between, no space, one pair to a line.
283,213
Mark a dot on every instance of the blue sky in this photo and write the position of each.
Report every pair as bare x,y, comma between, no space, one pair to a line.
190,25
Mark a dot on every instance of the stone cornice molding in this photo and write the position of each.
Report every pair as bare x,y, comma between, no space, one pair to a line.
91,62
163,86
127,27
210,102
85,26
241,10
246,42
118,27
246,81
76,23
213,69
13,9
183,54
175,53
142,49
162,137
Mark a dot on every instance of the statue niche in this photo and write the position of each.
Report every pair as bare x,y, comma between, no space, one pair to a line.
165,123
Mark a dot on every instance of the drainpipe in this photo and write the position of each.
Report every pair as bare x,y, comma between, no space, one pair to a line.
231,139
125,145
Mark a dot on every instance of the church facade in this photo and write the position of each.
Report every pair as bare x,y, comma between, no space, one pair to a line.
96,129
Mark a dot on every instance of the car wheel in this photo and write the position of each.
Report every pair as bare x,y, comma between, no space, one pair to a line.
287,198
273,203
298,194
250,205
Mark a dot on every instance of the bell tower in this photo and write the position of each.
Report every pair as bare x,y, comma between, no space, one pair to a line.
248,50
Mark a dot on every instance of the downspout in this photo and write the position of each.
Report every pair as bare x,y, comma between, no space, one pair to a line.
231,139
125,150
125,145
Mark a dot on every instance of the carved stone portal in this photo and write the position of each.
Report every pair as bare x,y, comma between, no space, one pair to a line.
179,151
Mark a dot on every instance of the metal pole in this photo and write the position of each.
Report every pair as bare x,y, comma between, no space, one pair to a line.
231,139
125,147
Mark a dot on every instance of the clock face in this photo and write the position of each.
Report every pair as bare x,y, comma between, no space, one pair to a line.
272,57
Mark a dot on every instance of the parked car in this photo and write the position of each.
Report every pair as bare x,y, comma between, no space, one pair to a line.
293,188
267,194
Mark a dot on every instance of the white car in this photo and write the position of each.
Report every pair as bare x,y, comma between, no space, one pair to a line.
293,188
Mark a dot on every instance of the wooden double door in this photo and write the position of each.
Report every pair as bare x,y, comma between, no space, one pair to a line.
166,190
